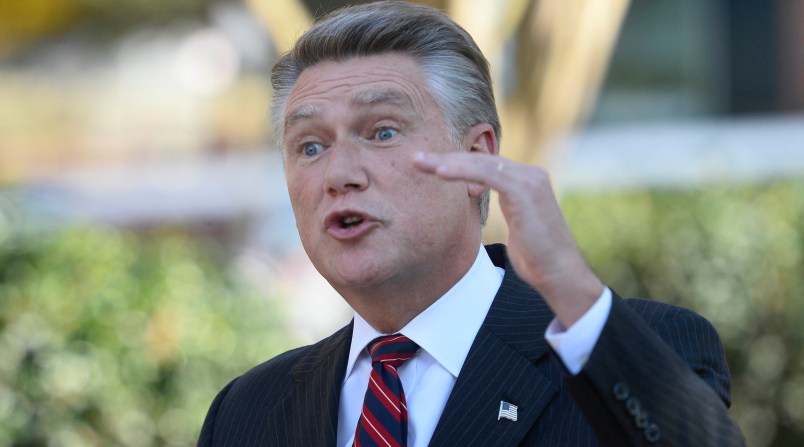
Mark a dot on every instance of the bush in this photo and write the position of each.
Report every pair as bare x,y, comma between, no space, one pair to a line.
735,254
111,338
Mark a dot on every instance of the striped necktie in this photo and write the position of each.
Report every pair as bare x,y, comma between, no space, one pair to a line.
384,419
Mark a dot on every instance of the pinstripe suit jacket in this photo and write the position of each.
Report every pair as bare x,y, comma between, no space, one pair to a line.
655,368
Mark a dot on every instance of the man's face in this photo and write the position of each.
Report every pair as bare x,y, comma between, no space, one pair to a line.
366,216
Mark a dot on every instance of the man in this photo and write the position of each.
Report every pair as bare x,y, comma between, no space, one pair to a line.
390,136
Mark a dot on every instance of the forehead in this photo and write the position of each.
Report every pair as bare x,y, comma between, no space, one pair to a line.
390,79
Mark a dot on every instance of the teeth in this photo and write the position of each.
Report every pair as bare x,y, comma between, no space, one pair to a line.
351,220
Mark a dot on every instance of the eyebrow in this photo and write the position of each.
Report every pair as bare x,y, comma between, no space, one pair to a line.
300,113
374,97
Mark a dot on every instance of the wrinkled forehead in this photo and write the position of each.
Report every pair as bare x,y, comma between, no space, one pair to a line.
362,98
384,80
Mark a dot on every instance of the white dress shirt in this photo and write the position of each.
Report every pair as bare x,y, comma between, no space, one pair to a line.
445,332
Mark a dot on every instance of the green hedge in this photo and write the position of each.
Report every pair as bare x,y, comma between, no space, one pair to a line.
111,338
735,254
108,338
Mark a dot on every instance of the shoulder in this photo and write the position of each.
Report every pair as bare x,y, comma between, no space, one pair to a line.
258,391
262,389
670,321
656,313
277,369
279,372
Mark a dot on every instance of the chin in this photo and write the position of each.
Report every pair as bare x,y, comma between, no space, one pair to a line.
356,278
360,273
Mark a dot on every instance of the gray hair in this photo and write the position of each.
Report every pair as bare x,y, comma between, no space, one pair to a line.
457,72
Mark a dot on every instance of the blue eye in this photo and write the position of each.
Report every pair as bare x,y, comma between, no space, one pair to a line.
312,149
385,133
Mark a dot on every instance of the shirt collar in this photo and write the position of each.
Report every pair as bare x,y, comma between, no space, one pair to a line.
448,327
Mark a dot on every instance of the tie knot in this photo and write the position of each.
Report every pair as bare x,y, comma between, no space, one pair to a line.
392,350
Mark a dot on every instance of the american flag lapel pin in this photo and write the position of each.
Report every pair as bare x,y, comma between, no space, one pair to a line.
507,410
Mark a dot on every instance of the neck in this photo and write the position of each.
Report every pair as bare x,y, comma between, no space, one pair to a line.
388,307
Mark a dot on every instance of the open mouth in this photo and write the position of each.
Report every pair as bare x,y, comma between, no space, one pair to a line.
349,224
350,221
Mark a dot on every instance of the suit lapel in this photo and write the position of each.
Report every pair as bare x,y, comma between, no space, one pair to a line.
505,363
502,365
310,412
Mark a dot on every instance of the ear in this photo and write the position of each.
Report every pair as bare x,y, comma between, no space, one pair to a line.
480,138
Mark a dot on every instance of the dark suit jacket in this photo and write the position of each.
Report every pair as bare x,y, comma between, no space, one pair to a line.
657,376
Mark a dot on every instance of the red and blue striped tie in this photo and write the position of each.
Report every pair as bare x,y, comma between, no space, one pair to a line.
384,420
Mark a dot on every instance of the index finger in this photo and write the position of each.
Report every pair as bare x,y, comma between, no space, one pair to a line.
475,167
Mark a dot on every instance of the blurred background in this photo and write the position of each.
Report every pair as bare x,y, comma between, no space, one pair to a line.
148,253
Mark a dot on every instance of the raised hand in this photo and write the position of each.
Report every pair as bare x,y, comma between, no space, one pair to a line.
540,244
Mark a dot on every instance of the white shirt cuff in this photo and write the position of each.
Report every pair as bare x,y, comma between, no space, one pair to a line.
574,345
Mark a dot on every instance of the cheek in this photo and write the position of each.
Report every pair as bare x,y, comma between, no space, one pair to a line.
301,195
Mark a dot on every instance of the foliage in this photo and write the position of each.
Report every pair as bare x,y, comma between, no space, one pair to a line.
110,338
735,254
114,338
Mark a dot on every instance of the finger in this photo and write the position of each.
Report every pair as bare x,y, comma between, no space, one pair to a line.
485,169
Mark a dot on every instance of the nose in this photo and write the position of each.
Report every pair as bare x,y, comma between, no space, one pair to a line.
345,170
